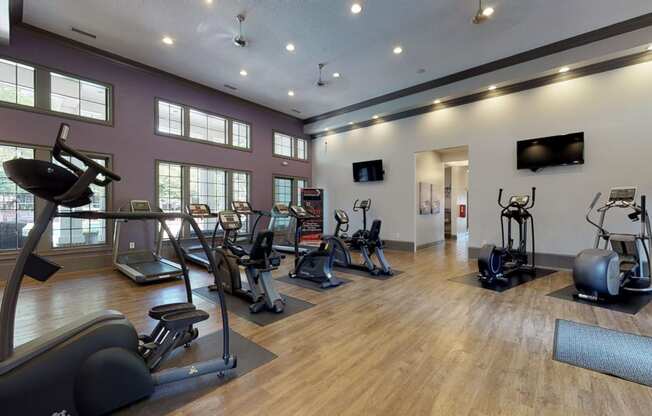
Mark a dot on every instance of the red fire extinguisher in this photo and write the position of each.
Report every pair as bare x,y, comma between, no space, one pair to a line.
462,211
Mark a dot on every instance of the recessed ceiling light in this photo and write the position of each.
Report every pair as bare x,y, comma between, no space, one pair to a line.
375,117
356,8
291,93
488,11
437,101
398,50
492,87
167,40
209,1
289,47
649,48
350,123
336,75
243,72
327,129
564,69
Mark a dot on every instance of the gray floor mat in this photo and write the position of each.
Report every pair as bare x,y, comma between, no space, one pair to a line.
170,397
240,307
615,353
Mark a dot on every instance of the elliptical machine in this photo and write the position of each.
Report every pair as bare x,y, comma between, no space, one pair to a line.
623,262
96,364
314,265
258,262
496,264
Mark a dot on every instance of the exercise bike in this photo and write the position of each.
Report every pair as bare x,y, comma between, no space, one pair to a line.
96,364
314,265
497,263
623,261
257,260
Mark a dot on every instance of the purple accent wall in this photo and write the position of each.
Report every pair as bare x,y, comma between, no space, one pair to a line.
131,140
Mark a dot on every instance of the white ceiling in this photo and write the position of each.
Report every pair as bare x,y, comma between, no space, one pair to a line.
436,35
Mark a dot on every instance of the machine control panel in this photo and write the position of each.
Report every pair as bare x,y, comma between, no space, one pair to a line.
140,206
230,220
520,200
341,216
280,210
199,210
624,195
242,207
300,212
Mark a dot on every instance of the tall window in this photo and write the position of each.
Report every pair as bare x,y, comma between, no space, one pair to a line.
301,183
170,118
170,192
240,135
16,204
208,186
74,232
240,192
81,98
16,83
288,146
207,127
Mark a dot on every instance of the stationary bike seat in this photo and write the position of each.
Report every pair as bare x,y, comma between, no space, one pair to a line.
178,320
157,312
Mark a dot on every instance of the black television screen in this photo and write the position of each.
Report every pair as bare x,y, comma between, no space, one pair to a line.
368,171
534,154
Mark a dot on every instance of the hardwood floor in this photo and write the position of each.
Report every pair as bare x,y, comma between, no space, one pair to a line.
417,344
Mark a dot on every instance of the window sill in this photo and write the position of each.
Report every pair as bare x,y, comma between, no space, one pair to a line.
46,112
294,159
191,140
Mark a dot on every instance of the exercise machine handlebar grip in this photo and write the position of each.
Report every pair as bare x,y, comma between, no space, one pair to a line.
595,200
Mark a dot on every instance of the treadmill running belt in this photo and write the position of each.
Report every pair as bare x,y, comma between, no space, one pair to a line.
154,268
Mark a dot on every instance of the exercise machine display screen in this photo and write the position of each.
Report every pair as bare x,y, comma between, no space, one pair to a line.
140,206
199,210
624,195
520,200
281,210
242,207
230,220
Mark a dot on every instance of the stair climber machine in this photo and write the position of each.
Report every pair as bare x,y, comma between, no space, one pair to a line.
364,206
496,264
317,264
368,244
98,363
257,263
623,261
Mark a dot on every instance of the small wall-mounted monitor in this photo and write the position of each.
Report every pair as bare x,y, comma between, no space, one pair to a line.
535,154
368,171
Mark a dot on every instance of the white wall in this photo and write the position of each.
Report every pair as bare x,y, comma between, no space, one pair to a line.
429,169
614,109
459,189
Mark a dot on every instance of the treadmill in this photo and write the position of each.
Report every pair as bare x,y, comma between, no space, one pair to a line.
143,266
194,252
282,241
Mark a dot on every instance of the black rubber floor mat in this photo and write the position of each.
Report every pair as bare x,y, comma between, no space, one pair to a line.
515,279
628,302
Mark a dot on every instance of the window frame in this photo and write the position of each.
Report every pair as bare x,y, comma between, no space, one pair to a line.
294,190
43,91
294,146
186,232
185,136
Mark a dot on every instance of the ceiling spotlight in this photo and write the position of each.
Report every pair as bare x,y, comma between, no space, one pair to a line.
564,69
375,117
356,8
350,123
398,50
336,75
243,72
289,47
209,1
649,48
239,40
437,101
168,40
291,93
483,13
492,87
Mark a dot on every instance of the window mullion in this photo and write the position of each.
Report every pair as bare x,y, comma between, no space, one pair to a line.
185,196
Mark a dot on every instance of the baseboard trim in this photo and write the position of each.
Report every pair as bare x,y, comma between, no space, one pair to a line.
69,262
544,260
399,245
431,244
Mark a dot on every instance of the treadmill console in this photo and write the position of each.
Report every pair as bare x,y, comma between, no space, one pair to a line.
341,217
280,210
199,210
520,200
242,207
625,195
364,204
230,220
300,212
140,206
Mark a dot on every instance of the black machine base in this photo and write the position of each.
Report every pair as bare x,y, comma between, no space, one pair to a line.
627,302
512,280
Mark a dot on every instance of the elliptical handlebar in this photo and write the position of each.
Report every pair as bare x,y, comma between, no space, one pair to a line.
60,148
500,198
534,194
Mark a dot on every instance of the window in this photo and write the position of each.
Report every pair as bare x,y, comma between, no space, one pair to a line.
301,183
207,127
240,192
81,98
240,135
208,186
170,118
16,83
75,232
288,146
16,204
170,192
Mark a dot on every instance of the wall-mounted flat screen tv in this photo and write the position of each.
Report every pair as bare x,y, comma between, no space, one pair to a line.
535,154
369,171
